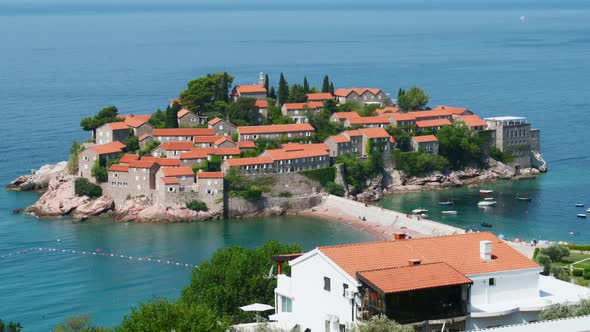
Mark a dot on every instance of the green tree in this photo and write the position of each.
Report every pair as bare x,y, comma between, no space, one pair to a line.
545,261
555,252
326,84
558,311
202,93
197,205
283,93
79,323
266,84
83,187
297,94
11,327
272,93
419,163
331,88
335,189
403,136
132,143
330,106
171,116
305,85
412,100
99,172
75,150
106,115
560,273
159,315
234,277
381,323
462,146
243,112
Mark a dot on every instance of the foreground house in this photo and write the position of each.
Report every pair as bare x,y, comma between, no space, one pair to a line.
360,95
273,132
467,281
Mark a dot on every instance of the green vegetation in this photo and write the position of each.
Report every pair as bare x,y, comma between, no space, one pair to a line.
73,162
305,86
412,100
166,119
419,163
297,94
564,311
203,93
552,260
335,189
197,206
322,175
106,115
234,277
286,194
275,116
79,323
381,323
11,327
324,127
283,91
246,187
242,112
357,171
501,156
580,247
83,187
148,148
403,136
132,143
461,146
99,172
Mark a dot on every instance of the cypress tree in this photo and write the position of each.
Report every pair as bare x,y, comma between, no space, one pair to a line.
326,84
272,93
332,88
224,93
305,85
266,84
283,93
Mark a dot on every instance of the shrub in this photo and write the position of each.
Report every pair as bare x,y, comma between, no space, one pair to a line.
99,172
418,163
555,252
578,272
74,153
545,261
504,157
285,194
587,273
580,247
560,273
197,206
335,189
83,187
322,175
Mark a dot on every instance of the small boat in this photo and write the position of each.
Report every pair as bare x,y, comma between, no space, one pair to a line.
486,203
520,198
582,215
587,210
488,199
485,191
419,211
445,202
449,212
485,224
579,204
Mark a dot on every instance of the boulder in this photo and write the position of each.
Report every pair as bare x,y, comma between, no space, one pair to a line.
39,179
94,207
59,199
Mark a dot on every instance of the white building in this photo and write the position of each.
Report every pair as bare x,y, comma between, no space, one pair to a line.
467,281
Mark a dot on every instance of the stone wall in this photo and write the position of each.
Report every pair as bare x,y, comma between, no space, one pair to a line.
267,206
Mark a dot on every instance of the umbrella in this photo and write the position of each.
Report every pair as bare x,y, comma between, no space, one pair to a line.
257,307
501,236
517,240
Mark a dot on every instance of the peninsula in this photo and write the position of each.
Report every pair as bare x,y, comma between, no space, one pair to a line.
219,151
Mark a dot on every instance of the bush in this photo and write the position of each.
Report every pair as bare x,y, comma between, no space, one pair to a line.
383,324
504,157
545,261
335,189
587,273
418,163
555,252
197,206
83,187
73,161
560,273
578,272
322,175
99,172
580,247
285,194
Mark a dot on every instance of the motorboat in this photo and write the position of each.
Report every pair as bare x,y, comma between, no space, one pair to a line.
486,224
419,211
488,199
520,198
449,212
582,215
579,204
587,210
445,202
486,203
485,191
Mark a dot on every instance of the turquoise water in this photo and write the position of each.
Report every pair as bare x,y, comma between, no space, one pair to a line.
59,65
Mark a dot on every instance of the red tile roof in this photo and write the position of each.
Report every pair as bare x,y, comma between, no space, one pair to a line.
358,91
108,148
250,89
368,120
400,116
387,110
431,114
339,138
301,106
473,121
222,140
184,132
222,151
175,101
135,121
214,121
126,158
118,125
281,154
182,113
178,171
408,278
433,123
299,146
346,115
248,161
210,175
143,137
169,180
352,133
177,146
162,161
261,104
246,145
459,251
374,132
119,168
451,109
271,129
142,163
319,96
195,154
425,138
205,139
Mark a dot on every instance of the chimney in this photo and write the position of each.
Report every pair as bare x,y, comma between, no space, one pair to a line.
414,261
485,250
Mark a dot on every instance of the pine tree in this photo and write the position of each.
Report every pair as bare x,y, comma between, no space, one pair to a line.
266,84
272,93
332,88
283,93
305,85
326,84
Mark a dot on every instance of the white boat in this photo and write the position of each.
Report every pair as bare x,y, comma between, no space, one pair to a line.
486,203
449,212
579,204
488,199
419,211
588,210
445,202
485,191
582,215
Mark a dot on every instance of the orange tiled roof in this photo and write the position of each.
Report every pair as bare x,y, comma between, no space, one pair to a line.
222,140
182,113
117,125
473,121
261,104
214,121
352,133
184,132
142,163
195,154
177,146
282,154
210,175
299,146
271,129
170,162
401,116
359,91
178,171
250,89
459,251
169,180
425,138
175,101
248,161
368,120
135,121
339,138
433,123
144,136
205,139
319,96
246,145
222,151
126,158
346,115
387,110
374,132
119,168
108,148
301,106
407,278
432,113
451,109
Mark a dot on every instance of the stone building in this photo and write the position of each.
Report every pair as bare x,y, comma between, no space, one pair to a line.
210,189
111,132
139,124
426,143
222,127
249,166
101,153
180,134
514,134
321,96
432,125
367,122
360,95
262,109
298,111
189,119
251,91
172,149
275,132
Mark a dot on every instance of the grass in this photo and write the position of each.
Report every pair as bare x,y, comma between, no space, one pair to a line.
575,257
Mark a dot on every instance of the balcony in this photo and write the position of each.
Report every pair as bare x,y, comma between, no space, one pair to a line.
284,285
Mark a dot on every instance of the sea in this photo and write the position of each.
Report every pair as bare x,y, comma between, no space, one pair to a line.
65,61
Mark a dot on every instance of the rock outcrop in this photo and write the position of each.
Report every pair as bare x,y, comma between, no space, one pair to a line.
538,162
39,179
95,207
141,210
59,199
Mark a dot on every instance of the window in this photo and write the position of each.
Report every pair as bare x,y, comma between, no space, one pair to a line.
171,189
115,175
85,158
344,289
221,127
286,304
326,284
492,281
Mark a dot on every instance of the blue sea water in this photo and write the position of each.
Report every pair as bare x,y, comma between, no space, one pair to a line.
58,65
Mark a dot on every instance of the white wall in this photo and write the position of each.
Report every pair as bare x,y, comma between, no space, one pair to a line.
513,318
508,286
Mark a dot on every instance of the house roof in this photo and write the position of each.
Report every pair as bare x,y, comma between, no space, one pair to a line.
108,148
250,89
459,251
222,151
352,133
210,175
205,139
246,145
222,140
184,132
178,171
433,123
177,146
359,91
248,161
261,104
368,120
182,113
319,96
126,158
400,116
301,106
117,126
473,121
408,278
136,120
375,132
346,115
451,109
299,146
387,110
175,101
282,154
143,137
169,162
214,121
142,163
425,138
339,138
271,129
431,113
118,168
169,180
195,154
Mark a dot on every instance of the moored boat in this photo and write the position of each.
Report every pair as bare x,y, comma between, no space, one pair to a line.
579,204
588,210
523,198
486,203
485,191
445,202
419,211
488,199
449,212
486,224
582,215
